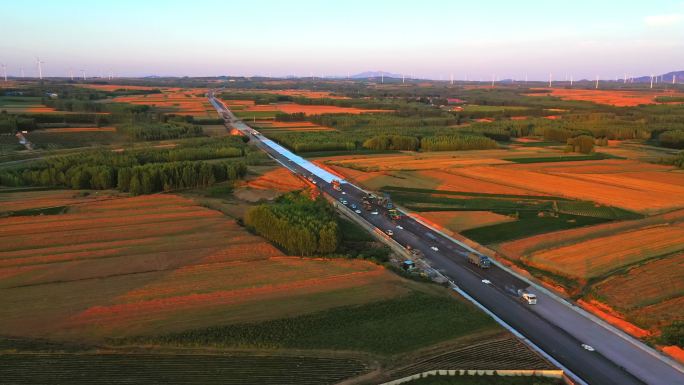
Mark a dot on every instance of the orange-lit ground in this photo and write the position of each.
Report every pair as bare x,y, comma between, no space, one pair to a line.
611,97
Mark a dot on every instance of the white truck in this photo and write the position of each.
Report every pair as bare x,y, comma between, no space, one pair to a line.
527,297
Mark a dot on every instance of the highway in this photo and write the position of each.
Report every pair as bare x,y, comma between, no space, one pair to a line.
554,326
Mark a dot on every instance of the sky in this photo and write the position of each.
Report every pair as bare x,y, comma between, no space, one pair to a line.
428,38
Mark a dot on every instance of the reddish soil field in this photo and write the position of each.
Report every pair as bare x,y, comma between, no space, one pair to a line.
158,263
645,285
279,179
183,101
598,256
628,193
463,220
519,248
611,97
20,200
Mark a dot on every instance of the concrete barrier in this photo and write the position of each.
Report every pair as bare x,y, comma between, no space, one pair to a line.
478,372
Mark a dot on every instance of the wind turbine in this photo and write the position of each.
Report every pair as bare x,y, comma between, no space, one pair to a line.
21,69
673,78
40,68
625,78
550,79
452,79
4,71
493,76
597,80
651,80
570,80
83,73
71,74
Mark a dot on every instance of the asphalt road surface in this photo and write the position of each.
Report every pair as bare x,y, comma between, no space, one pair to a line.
554,326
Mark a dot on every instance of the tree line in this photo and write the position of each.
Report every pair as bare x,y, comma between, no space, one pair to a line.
297,223
392,142
137,171
160,131
457,142
672,139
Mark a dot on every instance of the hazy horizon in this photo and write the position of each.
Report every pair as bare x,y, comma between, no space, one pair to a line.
433,40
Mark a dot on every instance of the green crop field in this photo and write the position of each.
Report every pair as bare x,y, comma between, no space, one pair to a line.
200,369
386,327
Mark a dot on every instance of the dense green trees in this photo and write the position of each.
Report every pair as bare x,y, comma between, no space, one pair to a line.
582,143
392,142
456,142
160,131
297,223
138,171
672,139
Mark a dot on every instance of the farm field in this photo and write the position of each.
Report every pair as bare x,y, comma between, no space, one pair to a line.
23,104
180,101
610,97
628,193
637,289
458,221
269,127
150,261
600,256
179,368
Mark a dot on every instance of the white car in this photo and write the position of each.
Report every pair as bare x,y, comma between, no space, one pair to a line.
344,193
374,212
399,227
434,248
344,201
357,211
486,282
390,232
588,347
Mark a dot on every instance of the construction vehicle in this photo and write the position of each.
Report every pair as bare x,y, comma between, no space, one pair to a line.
527,297
479,260
385,201
336,185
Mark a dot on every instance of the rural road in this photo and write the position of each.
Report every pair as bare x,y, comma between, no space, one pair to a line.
553,325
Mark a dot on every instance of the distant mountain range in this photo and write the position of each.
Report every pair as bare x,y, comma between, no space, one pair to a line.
375,74
665,78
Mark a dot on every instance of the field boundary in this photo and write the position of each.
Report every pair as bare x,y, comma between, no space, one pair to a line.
473,372
638,344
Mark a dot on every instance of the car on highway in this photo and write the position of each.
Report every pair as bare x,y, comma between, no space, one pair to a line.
434,248
588,347
374,212
486,282
390,232
353,205
344,193
399,227
357,211
344,202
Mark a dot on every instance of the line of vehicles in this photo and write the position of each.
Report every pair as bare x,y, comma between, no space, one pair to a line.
384,201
